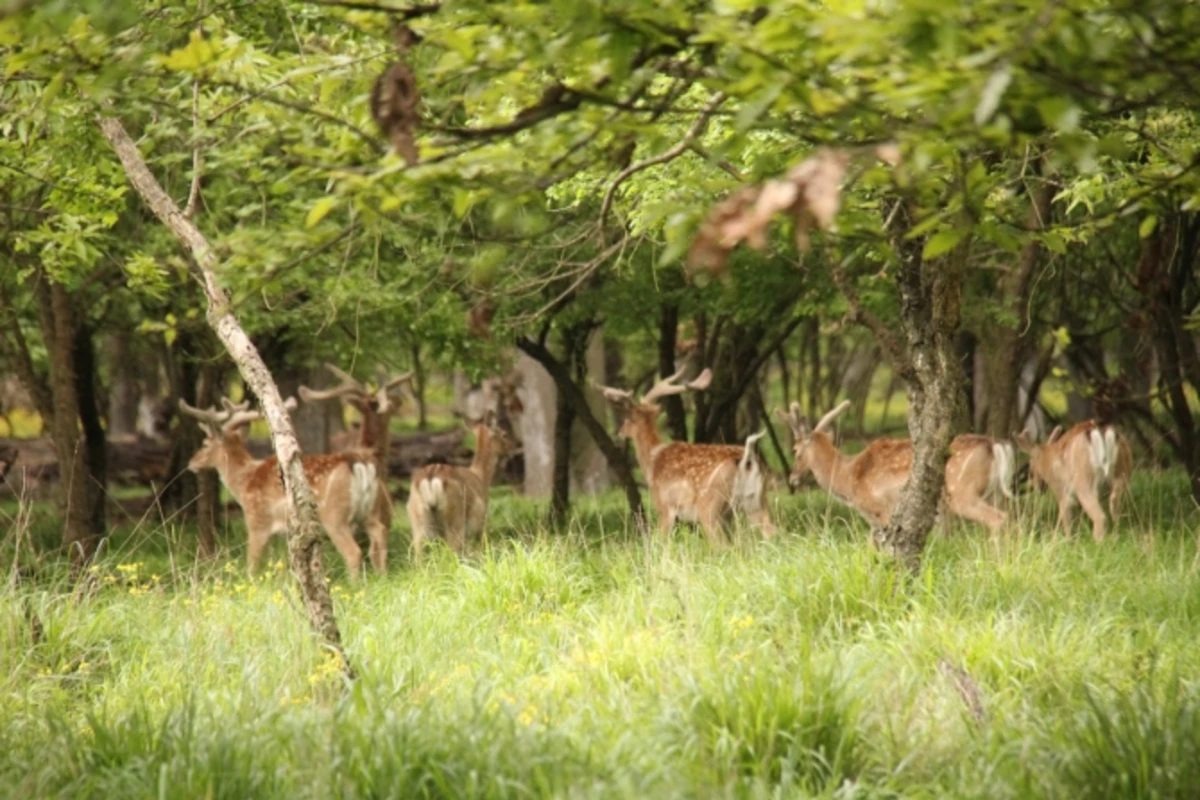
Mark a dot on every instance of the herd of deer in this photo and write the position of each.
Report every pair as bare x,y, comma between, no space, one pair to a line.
703,483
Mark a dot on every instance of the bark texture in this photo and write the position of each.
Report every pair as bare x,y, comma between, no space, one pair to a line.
305,534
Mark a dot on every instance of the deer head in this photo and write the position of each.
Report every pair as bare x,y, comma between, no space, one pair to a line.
385,398
222,429
643,414
803,437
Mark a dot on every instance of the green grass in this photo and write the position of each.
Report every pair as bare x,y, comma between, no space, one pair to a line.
594,663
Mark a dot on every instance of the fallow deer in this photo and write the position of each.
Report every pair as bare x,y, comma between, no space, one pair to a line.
451,502
1080,465
345,486
704,483
871,481
376,407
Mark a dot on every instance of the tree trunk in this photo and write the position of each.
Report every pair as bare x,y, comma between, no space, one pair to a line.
123,393
418,388
95,449
304,532
58,322
1009,345
930,312
617,461
560,490
668,328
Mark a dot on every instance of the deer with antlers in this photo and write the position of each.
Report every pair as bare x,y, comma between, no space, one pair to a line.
451,502
871,481
1080,465
704,483
345,486
375,406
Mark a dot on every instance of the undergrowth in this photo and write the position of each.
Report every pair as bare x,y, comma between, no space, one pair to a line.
594,662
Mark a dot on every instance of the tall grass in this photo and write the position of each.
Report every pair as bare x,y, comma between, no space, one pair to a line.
593,662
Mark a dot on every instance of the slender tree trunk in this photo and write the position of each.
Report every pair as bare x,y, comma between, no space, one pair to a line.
418,388
96,451
668,328
305,534
560,490
123,393
613,453
1009,345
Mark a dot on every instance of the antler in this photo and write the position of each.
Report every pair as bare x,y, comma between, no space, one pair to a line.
231,418
794,419
828,419
668,386
347,386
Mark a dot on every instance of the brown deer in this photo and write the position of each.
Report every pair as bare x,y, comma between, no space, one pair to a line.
345,486
451,502
871,481
376,406
704,483
1080,465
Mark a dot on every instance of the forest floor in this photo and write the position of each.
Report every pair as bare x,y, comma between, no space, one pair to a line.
596,663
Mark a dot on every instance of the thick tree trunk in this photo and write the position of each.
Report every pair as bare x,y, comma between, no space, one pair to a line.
81,536
617,461
305,534
560,490
930,311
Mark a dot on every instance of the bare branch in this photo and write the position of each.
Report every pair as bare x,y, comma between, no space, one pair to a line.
194,195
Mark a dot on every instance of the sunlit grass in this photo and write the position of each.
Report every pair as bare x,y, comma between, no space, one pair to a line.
593,662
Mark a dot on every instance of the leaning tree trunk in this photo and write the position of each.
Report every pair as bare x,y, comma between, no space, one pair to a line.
304,531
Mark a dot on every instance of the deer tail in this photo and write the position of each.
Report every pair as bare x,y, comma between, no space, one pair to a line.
363,488
1102,449
1001,476
432,492
748,485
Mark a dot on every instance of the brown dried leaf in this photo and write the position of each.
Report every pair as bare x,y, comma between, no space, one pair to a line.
710,249
820,178
394,101
479,319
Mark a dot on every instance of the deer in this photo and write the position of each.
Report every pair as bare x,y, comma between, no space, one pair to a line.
871,481
345,486
376,407
1080,465
451,502
704,483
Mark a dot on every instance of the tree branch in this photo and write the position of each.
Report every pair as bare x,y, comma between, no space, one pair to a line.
668,155
194,195
304,535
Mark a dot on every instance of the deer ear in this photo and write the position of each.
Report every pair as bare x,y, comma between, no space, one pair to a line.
1054,434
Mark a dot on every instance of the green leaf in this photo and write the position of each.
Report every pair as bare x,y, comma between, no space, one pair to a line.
320,210
1147,227
53,88
942,242
993,91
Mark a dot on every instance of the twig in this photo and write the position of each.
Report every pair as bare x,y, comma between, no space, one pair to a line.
193,200
668,155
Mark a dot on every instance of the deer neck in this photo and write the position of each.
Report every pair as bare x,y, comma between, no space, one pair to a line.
374,434
486,458
830,467
235,466
645,441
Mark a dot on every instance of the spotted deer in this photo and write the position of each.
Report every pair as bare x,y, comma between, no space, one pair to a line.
871,481
704,483
344,485
1080,465
451,502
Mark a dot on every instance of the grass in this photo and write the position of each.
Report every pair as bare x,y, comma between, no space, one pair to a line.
593,663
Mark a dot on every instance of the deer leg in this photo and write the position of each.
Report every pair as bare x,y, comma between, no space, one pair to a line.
1066,504
713,517
420,531
258,538
1116,494
977,510
1090,502
762,519
377,533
